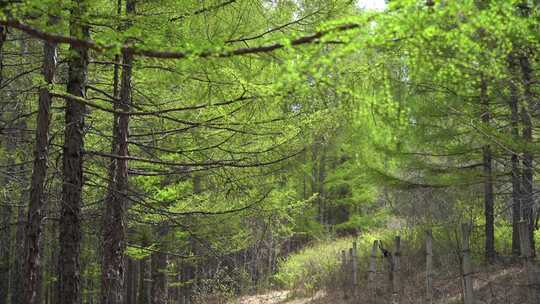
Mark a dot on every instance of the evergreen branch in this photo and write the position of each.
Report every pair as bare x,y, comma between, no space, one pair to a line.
92,45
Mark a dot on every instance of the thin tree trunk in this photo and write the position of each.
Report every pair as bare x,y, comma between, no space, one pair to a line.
17,283
514,163
468,293
69,281
114,232
314,176
144,276
34,224
131,279
159,277
488,180
5,250
531,269
527,202
396,271
5,211
372,274
53,264
322,176
429,267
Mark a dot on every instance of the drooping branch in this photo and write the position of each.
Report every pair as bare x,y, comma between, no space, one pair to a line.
203,10
89,44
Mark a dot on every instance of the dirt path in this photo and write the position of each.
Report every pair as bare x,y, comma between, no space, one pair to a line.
278,297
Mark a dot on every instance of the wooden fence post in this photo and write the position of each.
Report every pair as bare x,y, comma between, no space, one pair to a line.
395,271
372,272
468,293
354,269
344,272
528,261
429,267
350,273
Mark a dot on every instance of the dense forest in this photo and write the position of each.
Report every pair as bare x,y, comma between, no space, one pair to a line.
212,151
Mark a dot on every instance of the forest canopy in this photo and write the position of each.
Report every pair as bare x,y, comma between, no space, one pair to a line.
186,149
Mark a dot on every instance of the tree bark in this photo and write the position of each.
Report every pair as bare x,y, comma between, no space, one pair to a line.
429,267
131,277
144,276
466,264
321,179
17,283
5,250
159,278
514,163
396,288
159,260
531,269
488,180
372,272
114,229
69,284
527,181
5,211
34,224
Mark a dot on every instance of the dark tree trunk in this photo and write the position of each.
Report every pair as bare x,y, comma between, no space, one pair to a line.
159,271
69,281
5,211
114,230
17,283
5,250
488,181
144,277
514,165
53,262
527,202
131,278
34,224
159,278
322,176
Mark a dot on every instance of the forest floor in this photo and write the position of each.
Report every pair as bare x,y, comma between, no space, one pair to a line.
282,297
493,284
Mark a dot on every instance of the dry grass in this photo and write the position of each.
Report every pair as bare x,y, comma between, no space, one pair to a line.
493,285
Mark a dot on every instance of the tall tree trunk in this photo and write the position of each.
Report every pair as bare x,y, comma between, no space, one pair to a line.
53,262
34,224
159,261
5,250
488,180
322,176
514,163
527,111
144,276
114,230
5,210
17,283
69,284
159,278
131,281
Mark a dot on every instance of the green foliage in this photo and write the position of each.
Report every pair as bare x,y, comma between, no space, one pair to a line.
318,266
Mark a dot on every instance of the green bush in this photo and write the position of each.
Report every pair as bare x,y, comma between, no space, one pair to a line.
318,266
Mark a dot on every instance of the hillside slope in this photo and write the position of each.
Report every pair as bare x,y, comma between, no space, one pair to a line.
496,284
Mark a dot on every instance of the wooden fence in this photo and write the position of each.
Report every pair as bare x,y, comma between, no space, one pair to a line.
390,268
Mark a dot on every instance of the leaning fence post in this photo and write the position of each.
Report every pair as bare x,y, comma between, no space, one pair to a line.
468,295
395,270
429,266
372,272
